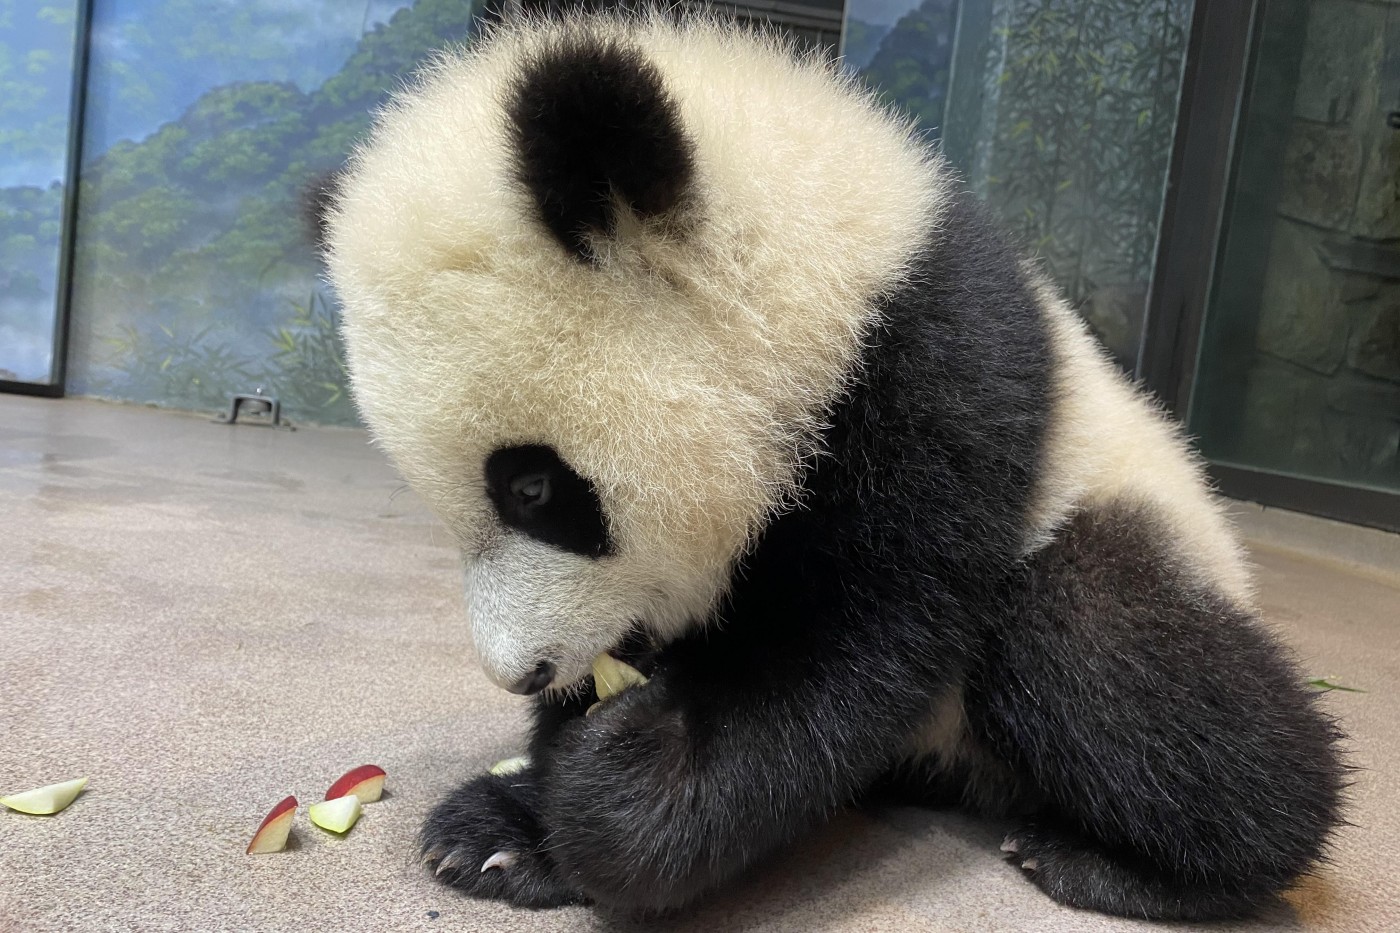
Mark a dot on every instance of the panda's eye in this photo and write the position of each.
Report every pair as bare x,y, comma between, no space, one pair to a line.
532,489
537,494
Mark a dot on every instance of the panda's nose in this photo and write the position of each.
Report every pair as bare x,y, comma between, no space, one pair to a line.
535,681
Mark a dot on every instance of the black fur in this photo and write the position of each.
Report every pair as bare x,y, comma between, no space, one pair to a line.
593,124
566,515
488,815
1186,771
1173,762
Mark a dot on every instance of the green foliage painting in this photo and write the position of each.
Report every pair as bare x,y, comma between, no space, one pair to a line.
911,66
194,276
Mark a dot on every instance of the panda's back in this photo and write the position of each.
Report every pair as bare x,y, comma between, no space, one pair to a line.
1108,446
1104,443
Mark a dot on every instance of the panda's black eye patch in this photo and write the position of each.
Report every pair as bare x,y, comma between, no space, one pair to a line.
537,493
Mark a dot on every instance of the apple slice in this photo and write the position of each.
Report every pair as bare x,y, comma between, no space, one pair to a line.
337,815
611,676
365,782
272,832
509,766
43,801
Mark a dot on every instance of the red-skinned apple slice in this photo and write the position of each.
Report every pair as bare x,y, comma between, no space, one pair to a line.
365,782
272,833
337,815
47,800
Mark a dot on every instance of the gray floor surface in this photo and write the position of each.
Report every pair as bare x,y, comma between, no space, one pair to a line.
203,619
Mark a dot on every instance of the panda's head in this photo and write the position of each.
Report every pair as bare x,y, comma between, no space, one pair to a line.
602,281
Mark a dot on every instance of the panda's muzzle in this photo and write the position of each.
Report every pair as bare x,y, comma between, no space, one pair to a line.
535,681
636,651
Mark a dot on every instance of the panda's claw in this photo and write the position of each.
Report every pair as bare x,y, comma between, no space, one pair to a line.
450,861
1011,845
490,823
501,860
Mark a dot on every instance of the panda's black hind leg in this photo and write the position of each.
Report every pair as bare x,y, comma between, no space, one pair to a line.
485,839
1185,769
1077,872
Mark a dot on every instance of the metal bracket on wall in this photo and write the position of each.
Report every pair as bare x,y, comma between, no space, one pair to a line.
262,409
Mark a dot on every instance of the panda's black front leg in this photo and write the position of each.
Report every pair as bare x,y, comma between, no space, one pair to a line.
746,735
486,838
672,788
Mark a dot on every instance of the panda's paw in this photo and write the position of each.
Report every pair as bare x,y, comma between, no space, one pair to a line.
1065,867
1032,846
1078,872
485,840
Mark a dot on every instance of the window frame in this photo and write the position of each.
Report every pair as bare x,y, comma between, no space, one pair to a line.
1218,72
63,292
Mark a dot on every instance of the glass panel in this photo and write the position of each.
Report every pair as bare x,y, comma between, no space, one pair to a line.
193,278
1299,371
904,50
1059,112
36,86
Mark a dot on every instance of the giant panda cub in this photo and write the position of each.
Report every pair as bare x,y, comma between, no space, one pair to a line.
711,366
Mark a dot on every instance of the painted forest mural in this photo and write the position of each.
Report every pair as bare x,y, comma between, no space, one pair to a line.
1060,113
194,276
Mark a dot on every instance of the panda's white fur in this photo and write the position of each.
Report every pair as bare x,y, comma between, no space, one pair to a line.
1048,611
467,328
1106,442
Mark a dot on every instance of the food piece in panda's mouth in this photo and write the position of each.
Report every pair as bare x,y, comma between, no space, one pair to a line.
611,677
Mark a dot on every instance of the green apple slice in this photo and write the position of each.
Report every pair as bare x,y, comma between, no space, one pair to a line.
43,801
337,814
611,676
508,766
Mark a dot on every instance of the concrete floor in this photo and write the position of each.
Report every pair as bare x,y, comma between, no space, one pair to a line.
203,619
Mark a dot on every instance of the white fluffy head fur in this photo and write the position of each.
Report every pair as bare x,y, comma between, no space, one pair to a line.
685,374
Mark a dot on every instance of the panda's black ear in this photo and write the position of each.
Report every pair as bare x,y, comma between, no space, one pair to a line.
317,200
594,129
